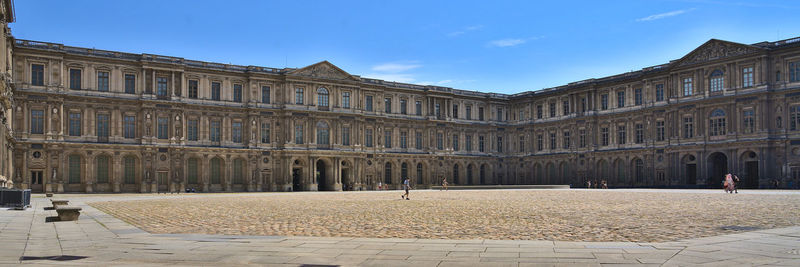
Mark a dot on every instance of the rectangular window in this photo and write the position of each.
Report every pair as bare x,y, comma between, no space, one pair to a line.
468,143
604,136
583,104
794,71
403,140
688,127
604,101
637,96
522,143
265,133
455,111
265,94
75,79
621,99
418,140
345,99
660,131
539,142
161,86
500,144
552,141
163,128
794,118
582,140
437,111
298,96
403,106
193,89
102,81
102,126
418,107
748,123
481,144
469,112
659,92
216,89
480,114
499,114
191,130
455,142
778,76
621,135
717,126
387,139
130,84
37,121
130,170
214,134
129,127
552,110
237,93
387,104
687,87
539,114
74,169
566,140
75,124
368,103
639,133
298,134
565,107
37,74
345,136
439,141
236,132
747,77
368,138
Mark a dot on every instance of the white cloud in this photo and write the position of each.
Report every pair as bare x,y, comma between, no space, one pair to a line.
395,67
465,30
506,42
664,15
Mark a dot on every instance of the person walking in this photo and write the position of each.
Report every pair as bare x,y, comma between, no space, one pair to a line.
444,184
406,186
379,185
727,184
736,184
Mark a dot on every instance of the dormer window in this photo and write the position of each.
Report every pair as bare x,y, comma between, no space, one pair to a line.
717,79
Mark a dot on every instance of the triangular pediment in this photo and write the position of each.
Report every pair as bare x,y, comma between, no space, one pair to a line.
716,49
324,70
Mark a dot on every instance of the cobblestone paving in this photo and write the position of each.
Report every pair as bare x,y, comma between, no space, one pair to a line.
564,215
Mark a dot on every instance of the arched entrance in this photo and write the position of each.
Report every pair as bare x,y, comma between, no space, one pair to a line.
348,182
483,174
469,174
750,175
456,179
323,177
717,168
690,169
297,176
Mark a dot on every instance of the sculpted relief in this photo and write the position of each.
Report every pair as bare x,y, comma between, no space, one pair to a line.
717,50
323,70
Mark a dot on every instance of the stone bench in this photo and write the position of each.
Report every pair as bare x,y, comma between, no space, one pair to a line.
48,194
59,202
68,213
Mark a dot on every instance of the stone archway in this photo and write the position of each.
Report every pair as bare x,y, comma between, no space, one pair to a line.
297,175
348,182
717,168
324,177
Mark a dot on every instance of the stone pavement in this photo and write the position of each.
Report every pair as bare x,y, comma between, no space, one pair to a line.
100,239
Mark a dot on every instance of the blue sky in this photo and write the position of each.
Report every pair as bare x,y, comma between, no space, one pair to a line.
490,46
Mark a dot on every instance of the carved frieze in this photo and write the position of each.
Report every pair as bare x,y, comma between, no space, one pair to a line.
715,50
323,70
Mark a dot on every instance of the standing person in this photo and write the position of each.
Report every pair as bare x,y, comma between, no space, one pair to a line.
736,184
444,184
406,186
605,184
379,185
589,184
727,184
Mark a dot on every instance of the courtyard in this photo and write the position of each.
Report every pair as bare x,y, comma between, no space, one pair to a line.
562,215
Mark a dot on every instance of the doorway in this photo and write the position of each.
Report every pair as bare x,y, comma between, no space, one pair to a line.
36,181
297,175
323,183
691,174
751,174
347,181
717,168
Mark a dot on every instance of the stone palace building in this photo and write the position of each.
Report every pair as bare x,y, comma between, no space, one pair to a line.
88,120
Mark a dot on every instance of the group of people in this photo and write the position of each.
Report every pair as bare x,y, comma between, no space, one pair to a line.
602,184
729,184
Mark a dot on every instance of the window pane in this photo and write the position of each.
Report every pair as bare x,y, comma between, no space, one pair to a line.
102,81
130,84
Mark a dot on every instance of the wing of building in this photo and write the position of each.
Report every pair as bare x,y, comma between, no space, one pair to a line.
89,120
6,96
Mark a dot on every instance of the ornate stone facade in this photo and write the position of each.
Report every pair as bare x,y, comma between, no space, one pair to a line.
6,97
102,121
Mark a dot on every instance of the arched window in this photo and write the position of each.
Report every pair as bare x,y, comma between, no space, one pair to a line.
639,167
102,169
404,171
129,170
387,177
716,123
419,173
238,171
323,133
455,175
216,170
192,170
717,81
74,169
322,97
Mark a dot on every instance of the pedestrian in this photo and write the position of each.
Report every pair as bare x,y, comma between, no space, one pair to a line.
589,184
605,184
444,184
736,184
727,183
379,185
406,186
